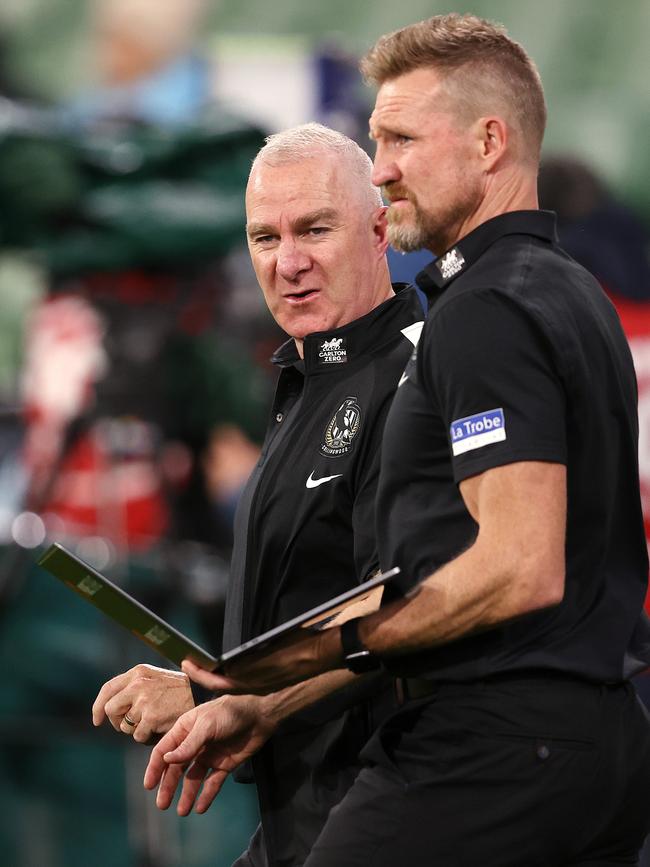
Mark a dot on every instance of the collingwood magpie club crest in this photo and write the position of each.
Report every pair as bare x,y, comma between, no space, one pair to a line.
342,429
451,263
332,351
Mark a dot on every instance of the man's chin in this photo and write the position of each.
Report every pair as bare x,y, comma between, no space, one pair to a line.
405,241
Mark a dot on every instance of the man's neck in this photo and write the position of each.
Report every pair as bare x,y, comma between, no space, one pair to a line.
515,191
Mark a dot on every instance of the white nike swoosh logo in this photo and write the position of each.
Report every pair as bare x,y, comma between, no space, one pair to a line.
403,379
314,483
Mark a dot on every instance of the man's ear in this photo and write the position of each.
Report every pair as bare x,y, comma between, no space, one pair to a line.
380,229
492,139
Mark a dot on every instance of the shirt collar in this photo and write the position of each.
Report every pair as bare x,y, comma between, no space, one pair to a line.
327,351
435,278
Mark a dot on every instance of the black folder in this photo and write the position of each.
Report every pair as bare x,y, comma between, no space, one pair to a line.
159,635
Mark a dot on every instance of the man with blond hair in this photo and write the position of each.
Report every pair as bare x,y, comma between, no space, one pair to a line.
508,496
304,530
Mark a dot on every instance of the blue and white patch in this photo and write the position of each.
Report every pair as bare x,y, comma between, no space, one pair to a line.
476,431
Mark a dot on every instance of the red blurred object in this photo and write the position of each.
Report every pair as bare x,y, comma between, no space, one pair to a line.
116,497
102,480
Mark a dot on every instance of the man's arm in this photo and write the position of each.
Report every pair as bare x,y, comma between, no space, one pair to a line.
515,566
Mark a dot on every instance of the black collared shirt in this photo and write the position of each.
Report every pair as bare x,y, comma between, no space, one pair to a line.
522,358
304,529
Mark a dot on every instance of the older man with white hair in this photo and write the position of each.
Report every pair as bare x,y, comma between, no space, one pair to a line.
304,531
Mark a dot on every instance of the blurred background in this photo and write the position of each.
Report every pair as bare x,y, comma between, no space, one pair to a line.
134,343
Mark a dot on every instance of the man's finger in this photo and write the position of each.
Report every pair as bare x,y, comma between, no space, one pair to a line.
127,725
119,706
157,765
142,732
110,688
211,788
188,749
208,679
196,776
168,785
154,770
191,786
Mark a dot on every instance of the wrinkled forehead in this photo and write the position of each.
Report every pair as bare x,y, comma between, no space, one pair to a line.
412,98
305,185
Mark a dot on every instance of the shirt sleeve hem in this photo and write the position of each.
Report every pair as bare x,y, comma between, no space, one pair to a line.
480,465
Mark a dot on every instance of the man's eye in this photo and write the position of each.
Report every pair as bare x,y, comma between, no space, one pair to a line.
263,239
403,139
317,230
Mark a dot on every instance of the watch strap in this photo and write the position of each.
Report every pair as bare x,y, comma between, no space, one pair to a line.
356,655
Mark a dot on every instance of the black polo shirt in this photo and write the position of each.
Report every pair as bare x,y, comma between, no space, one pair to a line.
305,527
522,358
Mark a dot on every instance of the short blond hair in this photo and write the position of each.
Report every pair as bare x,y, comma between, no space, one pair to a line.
482,67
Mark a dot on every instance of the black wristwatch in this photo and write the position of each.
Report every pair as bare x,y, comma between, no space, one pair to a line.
356,655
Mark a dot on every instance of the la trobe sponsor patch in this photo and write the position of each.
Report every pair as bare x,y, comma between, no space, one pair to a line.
342,429
476,431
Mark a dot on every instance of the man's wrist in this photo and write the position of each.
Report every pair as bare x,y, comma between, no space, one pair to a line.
275,706
200,695
357,657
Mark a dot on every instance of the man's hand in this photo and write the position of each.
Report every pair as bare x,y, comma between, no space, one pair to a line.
149,697
216,737
298,658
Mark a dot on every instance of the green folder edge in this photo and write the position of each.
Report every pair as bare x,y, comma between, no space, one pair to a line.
95,588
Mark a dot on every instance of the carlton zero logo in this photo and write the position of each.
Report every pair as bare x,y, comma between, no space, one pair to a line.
342,429
476,431
451,263
332,351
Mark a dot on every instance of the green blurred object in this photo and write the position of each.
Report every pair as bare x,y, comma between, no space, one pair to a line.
124,195
71,795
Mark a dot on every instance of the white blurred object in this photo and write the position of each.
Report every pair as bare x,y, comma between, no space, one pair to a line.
28,530
65,357
270,79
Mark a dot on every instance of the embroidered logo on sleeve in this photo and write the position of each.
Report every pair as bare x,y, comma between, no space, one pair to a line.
476,431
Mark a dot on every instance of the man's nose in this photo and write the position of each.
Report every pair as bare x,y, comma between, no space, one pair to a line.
291,261
384,169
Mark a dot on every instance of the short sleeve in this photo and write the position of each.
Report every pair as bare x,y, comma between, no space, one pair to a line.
490,367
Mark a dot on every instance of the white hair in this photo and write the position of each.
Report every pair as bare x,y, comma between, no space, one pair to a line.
313,139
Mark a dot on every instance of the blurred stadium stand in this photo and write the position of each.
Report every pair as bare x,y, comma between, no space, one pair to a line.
125,194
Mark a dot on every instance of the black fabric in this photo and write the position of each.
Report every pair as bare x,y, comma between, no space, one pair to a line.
522,342
513,772
255,855
304,532
306,769
283,560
